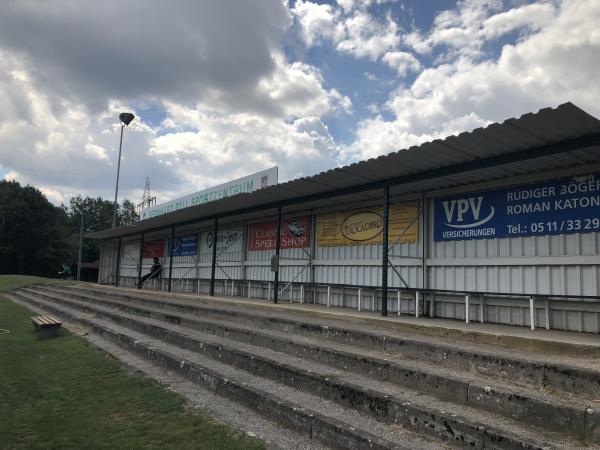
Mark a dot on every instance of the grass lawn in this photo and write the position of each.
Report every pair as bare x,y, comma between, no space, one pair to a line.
62,393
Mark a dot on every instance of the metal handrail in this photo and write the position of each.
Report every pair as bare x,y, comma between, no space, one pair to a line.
557,297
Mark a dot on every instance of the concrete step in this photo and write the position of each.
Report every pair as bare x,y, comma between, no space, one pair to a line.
321,419
558,372
222,409
383,400
525,404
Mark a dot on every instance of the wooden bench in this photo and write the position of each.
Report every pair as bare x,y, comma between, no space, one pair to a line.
46,325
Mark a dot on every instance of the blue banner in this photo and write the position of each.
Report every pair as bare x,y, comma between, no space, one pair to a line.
570,205
185,246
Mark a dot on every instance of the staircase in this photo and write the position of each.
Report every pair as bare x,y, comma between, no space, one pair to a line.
346,383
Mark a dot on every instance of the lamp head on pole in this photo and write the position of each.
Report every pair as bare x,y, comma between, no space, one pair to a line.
126,118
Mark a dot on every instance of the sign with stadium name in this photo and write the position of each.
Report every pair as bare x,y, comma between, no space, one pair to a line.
245,185
566,206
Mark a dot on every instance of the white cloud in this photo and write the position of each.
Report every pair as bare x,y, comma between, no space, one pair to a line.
558,63
366,37
533,17
352,28
402,62
234,104
225,146
464,30
318,21
298,90
62,147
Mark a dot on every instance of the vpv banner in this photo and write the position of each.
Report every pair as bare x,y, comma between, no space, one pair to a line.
185,245
154,249
570,205
295,233
365,226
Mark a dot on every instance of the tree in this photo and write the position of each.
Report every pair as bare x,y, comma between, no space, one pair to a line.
36,237
97,214
126,213
33,232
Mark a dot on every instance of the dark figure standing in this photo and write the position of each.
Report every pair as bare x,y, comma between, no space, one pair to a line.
155,272
65,273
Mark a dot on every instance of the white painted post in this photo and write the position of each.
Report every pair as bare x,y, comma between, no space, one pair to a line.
466,308
547,311
328,295
301,294
249,288
432,305
399,299
291,292
532,313
417,304
198,287
359,299
269,291
482,309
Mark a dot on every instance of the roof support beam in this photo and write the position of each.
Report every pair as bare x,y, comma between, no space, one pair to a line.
384,258
140,261
277,250
171,247
214,257
118,262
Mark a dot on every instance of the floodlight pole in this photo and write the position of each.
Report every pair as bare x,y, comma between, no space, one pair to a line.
125,119
114,219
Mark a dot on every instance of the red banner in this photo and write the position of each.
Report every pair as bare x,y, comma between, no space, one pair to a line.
154,249
295,233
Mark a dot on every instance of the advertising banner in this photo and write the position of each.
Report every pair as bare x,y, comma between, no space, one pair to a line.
129,253
570,205
251,183
295,233
365,226
154,249
185,245
227,241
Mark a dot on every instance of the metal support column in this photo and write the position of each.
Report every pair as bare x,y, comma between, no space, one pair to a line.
80,247
425,240
171,247
140,259
313,252
214,257
384,262
118,262
277,248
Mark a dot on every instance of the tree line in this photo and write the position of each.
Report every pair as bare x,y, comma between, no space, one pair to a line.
37,237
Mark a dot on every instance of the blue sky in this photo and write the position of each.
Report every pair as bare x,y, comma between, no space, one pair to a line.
223,89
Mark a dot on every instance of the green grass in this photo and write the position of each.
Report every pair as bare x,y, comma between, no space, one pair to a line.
62,393
8,282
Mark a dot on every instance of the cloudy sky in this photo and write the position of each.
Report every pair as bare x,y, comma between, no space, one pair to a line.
224,88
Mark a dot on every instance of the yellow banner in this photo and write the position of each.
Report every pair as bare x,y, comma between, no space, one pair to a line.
365,226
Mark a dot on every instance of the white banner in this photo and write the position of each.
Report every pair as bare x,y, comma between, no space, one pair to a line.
228,241
251,183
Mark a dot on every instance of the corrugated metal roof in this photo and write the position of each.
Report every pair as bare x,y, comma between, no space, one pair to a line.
530,131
